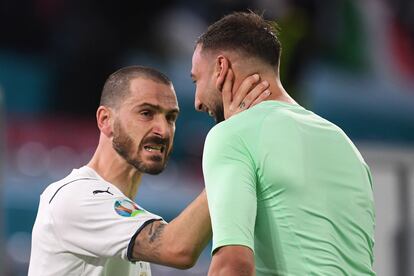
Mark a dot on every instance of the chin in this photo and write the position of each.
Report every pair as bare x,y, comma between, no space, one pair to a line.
149,167
153,168
154,171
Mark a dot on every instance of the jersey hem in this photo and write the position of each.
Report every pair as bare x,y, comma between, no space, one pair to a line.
231,242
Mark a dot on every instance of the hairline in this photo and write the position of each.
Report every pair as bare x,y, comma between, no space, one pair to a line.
237,51
129,78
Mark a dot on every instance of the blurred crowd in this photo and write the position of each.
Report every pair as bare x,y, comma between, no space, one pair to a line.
64,50
348,60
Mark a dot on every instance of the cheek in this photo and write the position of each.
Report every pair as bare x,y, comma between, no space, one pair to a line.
172,134
204,87
214,96
135,135
206,93
200,92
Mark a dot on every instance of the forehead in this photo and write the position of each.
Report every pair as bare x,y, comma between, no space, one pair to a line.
198,60
146,90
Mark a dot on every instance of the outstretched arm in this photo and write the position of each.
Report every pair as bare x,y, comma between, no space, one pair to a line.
178,243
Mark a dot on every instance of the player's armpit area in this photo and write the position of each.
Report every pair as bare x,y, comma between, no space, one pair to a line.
156,245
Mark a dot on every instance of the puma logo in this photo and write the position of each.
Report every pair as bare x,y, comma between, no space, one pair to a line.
102,191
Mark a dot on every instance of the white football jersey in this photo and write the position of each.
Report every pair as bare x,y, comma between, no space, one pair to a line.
86,226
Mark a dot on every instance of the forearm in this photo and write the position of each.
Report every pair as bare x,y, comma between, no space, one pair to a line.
178,243
191,230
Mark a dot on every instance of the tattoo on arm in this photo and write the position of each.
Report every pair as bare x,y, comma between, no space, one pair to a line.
148,243
155,234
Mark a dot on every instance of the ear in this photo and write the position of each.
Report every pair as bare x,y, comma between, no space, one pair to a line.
221,69
104,120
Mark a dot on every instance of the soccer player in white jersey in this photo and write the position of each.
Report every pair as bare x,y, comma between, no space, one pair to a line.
88,223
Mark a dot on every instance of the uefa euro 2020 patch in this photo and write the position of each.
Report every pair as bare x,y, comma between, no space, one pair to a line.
127,208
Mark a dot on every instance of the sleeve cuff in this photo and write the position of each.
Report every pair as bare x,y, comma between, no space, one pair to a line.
132,241
230,242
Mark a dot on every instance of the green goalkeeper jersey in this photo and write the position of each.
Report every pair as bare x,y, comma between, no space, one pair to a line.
291,186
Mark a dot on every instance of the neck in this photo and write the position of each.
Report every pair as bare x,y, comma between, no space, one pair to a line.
114,169
278,92
266,73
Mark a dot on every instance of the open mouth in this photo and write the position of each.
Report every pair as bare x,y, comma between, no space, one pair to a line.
155,148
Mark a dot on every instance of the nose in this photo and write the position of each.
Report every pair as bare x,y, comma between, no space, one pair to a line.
198,105
161,127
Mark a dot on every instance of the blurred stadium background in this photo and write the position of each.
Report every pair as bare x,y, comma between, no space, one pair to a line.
350,61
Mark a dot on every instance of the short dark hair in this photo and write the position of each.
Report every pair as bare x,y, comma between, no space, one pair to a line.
247,32
116,87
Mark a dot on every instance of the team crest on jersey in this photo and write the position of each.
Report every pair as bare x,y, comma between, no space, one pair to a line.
127,208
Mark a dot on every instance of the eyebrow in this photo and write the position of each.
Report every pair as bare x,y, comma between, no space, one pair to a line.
158,107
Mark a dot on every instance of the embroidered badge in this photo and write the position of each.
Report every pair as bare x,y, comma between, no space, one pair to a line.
127,208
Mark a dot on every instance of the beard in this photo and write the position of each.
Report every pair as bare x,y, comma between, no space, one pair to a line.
123,144
216,105
218,111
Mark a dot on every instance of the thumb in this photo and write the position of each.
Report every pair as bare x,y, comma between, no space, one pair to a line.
227,89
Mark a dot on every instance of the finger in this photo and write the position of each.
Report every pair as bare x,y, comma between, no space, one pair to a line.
244,88
227,88
254,94
261,97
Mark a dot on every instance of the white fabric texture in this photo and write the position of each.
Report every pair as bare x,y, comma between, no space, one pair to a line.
84,226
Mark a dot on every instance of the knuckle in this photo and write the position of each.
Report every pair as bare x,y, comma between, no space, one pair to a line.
247,85
247,100
238,99
251,80
263,95
261,86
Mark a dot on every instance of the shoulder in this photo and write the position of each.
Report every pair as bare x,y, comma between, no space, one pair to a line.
77,186
219,131
246,123
240,129
222,136
227,142
82,198
237,126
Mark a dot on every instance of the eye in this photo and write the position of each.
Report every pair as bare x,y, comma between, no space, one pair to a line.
172,118
146,113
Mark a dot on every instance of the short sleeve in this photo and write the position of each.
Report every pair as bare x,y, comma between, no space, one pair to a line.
97,224
230,181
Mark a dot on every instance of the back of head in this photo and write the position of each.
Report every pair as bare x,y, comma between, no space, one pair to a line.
116,87
245,32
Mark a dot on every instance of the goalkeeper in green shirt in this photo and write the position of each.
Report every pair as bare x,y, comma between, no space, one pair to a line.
288,192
